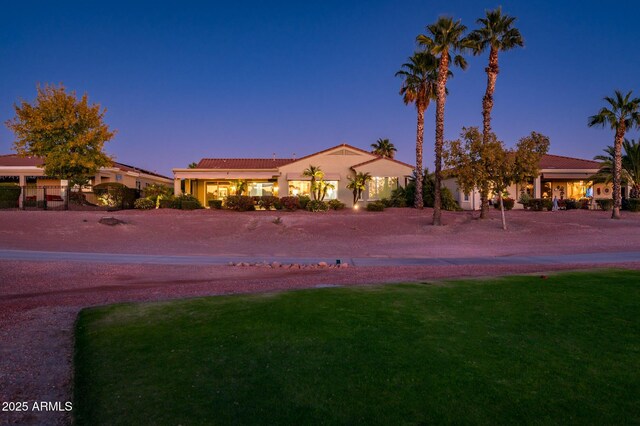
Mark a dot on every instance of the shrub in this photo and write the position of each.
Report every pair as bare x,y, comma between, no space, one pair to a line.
387,202
179,202
605,204
215,204
317,206
571,204
240,203
268,201
446,198
191,205
304,200
290,203
376,206
632,204
336,204
115,194
539,204
507,202
524,200
166,202
156,190
144,204
9,196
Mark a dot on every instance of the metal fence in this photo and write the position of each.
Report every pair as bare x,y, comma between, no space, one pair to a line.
33,197
44,198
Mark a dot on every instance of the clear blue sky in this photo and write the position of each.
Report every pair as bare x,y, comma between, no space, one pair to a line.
185,80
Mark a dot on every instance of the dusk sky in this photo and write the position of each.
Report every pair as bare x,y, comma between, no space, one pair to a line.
187,80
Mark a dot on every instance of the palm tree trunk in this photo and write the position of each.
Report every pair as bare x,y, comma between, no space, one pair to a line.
419,201
487,105
440,101
617,171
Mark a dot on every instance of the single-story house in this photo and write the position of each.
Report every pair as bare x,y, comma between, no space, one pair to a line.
560,177
29,171
213,178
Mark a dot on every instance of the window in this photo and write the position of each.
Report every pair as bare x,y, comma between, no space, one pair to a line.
381,187
303,187
466,197
258,189
118,178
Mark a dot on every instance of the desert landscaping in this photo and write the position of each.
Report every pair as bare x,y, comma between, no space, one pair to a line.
40,299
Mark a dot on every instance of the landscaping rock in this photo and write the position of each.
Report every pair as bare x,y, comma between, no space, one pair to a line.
111,221
322,264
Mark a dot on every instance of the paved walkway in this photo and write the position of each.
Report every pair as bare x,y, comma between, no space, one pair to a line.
123,258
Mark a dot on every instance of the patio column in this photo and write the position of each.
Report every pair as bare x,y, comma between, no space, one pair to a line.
22,181
176,187
537,187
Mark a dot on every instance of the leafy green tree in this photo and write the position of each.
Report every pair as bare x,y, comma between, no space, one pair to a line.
630,173
445,38
384,148
622,114
67,132
498,34
193,165
419,86
476,161
357,184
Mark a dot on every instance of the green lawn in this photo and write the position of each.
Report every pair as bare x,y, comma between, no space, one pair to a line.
518,350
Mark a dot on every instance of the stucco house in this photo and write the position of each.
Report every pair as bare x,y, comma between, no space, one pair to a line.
213,178
29,170
560,177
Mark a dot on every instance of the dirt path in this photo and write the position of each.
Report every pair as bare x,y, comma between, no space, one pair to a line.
39,300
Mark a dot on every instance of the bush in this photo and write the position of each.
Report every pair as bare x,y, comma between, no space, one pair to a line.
191,205
317,206
507,202
571,204
605,204
304,200
9,196
387,202
240,203
115,195
376,206
166,202
290,203
191,202
539,204
144,204
156,190
215,204
336,204
268,201
446,198
631,204
524,200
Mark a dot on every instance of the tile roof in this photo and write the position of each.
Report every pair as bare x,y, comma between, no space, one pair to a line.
549,161
242,163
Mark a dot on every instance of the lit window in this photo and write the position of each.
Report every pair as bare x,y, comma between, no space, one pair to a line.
381,186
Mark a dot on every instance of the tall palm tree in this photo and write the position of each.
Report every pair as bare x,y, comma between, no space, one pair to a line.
316,174
384,148
630,173
419,86
622,113
445,38
498,34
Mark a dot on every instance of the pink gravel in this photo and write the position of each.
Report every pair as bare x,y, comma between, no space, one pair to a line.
39,301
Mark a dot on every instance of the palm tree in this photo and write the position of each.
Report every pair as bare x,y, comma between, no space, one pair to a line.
444,39
498,34
357,184
630,173
623,113
419,87
384,148
316,174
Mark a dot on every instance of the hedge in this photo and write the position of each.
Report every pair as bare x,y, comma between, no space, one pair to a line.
9,196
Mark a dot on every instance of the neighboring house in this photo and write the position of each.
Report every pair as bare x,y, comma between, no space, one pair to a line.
560,177
213,178
28,171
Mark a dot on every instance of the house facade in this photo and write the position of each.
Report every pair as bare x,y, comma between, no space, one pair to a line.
29,171
560,177
217,178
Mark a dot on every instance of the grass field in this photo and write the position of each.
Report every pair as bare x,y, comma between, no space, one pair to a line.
562,350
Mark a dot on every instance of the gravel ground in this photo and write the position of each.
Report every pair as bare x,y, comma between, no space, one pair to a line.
39,301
